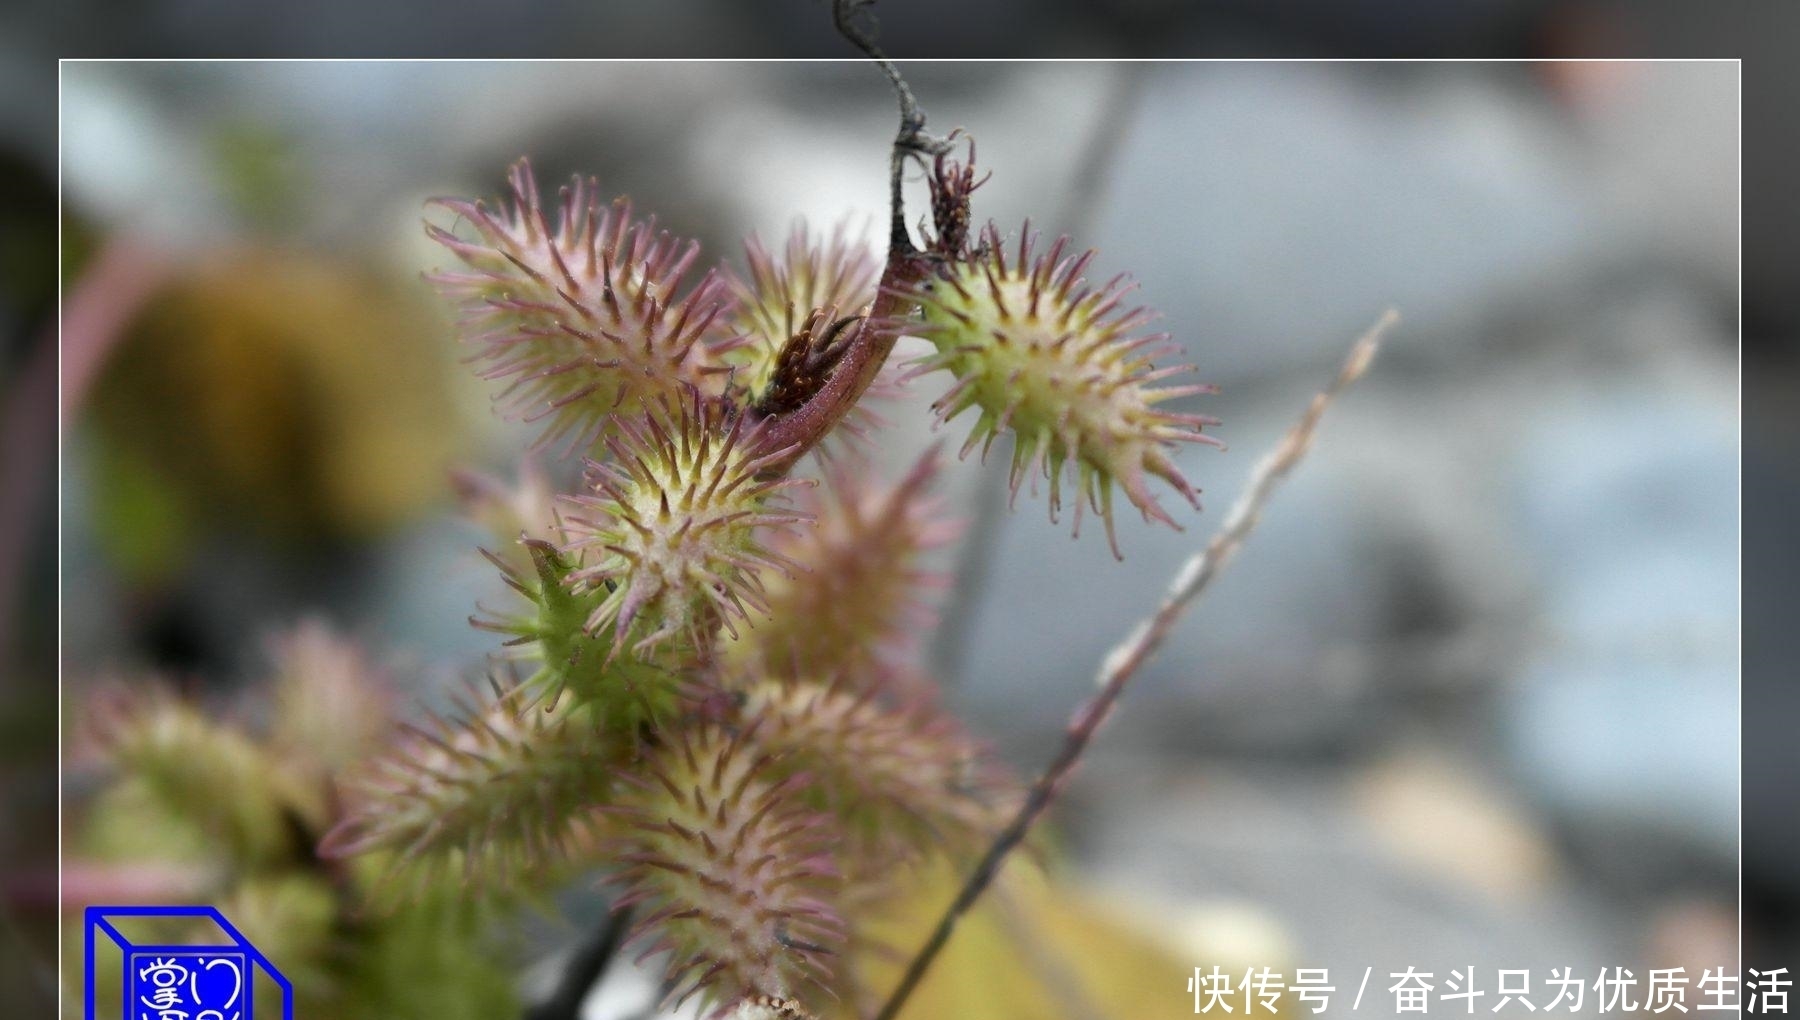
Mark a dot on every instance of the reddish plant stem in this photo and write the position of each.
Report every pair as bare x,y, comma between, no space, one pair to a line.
802,429
96,310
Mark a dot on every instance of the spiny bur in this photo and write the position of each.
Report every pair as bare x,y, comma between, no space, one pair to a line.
854,602
331,700
726,711
1056,362
675,530
731,870
207,772
904,781
223,804
553,631
487,798
583,316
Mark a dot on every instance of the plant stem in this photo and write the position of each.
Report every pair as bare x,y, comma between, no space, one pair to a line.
855,21
1123,662
801,429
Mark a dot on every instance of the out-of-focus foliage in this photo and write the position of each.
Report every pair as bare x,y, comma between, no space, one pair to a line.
273,392
197,805
732,683
1032,950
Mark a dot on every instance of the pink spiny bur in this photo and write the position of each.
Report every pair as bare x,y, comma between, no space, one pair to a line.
729,868
582,314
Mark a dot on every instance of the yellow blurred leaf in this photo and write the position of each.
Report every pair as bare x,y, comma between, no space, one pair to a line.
1033,949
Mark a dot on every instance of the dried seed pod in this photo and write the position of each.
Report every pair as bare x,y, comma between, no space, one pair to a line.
951,183
805,362
782,293
1056,362
585,320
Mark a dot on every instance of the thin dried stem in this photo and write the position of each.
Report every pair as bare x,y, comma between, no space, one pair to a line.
1123,662
855,20
801,428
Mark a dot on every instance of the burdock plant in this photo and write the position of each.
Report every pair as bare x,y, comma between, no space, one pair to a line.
717,695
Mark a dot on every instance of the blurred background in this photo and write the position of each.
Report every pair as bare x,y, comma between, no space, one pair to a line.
1471,696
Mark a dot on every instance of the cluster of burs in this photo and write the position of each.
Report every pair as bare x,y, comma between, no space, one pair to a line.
712,690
